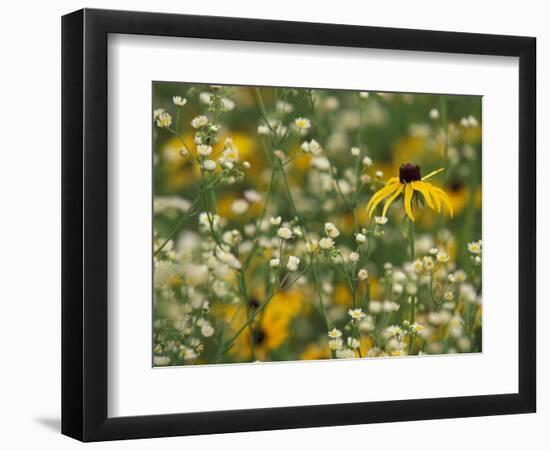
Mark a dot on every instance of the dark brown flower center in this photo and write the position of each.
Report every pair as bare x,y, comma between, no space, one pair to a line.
409,172
254,303
258,335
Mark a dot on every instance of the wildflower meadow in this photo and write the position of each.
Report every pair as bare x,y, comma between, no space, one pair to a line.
306,224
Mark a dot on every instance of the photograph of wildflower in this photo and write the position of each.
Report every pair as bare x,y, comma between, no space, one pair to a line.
308,224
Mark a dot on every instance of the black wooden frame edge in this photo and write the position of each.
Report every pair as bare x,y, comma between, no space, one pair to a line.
84,224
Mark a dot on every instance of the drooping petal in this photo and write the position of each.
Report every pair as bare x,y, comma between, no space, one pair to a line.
424,189
390,200
409,190
435,196
444,197
431,174
380,195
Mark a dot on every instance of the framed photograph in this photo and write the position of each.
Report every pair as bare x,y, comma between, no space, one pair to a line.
276,225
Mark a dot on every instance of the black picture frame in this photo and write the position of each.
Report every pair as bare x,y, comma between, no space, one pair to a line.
84,224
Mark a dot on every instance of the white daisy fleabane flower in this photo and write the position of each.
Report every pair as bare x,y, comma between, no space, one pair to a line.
411,289
179,101
354,257
161,360
239,206
331,230
274,262
364,95
228,258
442,257
312,246
367,162
336,344
434,114
375,307
207,330
252,196
157,112
355,151
284,233
362,274
275,221
293,263
334,333
433,251
360,238
326,243
345,353
199,121
204,150
311,147
188,353
302,123
416,327
284,107
280,154
380,220
208,164
428,263
448,296
356,314
164,120
397,289
460,276
379,174
389,306
353,343
474,247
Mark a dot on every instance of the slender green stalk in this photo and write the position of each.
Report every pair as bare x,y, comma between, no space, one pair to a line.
412,316
411,240
241,280
445,129
188,214
251,318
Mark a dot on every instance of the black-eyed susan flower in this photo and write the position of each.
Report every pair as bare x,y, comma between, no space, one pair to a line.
407,183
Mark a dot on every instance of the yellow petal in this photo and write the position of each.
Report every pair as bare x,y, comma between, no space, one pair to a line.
391,199
379,196
431,174
424,189
435,196
408,200
392,180
443,196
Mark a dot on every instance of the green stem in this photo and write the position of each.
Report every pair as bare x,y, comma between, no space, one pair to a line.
250,319
189,213
412,254
320,296
411,239
242,290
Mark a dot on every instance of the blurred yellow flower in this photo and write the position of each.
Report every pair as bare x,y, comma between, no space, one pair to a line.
272,328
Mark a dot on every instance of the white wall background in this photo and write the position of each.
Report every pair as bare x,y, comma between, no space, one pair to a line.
30,221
